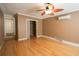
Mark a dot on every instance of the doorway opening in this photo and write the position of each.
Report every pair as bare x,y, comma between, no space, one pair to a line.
32,29
9,28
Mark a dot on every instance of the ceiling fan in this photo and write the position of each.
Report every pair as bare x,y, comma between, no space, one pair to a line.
49,9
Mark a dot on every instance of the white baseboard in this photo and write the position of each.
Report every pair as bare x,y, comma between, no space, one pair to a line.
22,39
50,38
63,41
70,43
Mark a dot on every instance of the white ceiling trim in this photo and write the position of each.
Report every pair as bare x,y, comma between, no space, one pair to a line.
29,15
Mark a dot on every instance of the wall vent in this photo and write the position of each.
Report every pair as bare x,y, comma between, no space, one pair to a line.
65,17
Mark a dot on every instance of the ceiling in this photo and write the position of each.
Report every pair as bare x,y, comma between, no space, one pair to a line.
29,9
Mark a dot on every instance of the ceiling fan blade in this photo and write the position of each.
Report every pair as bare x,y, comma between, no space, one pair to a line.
43,13
57,10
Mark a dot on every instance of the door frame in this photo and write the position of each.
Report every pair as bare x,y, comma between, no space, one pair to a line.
28,28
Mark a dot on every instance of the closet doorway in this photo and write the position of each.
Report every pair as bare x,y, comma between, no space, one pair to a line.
32,29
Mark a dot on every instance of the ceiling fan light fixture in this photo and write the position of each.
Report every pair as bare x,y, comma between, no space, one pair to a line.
49,6
48,11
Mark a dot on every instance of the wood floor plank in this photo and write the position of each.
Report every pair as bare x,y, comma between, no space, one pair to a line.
38,47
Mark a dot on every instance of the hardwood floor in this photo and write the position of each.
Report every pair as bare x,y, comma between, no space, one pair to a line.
38,47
